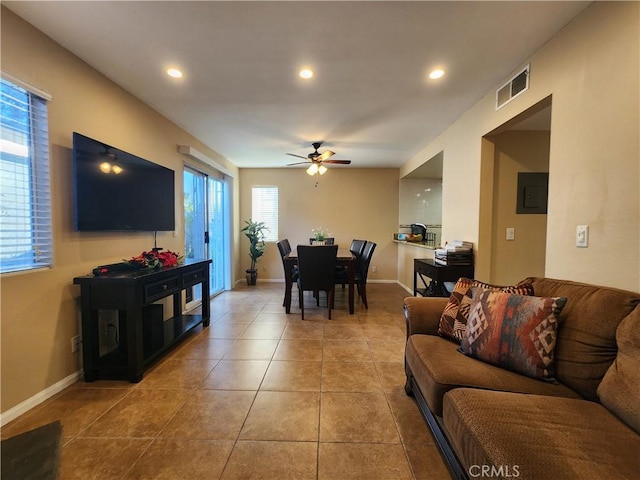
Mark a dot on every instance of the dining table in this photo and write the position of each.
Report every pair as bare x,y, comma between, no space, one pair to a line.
344,259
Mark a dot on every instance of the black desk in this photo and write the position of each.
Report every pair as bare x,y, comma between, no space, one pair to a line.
143,334
426,267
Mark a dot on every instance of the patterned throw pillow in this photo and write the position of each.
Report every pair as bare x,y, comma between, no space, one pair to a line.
516,332
453,321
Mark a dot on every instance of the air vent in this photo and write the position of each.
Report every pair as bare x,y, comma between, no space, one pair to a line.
513,88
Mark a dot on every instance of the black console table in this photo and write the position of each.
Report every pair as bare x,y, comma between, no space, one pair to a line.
438,273
143,333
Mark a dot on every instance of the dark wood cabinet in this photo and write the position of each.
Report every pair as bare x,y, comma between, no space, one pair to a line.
438,274
143,334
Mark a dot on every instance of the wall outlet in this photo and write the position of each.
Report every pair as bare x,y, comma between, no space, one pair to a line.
582,236
75,343
374,269
511,233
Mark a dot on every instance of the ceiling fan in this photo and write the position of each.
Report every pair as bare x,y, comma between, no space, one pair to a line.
317,160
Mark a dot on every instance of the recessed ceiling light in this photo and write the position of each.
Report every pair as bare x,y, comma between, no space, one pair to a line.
435,74
174,72
306,73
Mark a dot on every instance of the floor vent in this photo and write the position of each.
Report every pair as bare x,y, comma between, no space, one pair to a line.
514,87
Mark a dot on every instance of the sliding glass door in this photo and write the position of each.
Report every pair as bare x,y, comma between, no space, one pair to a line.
206,228
217,220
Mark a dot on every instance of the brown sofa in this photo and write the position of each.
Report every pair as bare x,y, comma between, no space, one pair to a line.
490,422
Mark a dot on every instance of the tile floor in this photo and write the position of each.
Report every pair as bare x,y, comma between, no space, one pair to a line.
257,395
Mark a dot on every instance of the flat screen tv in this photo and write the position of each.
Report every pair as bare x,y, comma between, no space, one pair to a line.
117,191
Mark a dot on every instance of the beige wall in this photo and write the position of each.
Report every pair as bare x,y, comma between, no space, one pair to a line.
513,260
348,202
407,253
591,69
40,310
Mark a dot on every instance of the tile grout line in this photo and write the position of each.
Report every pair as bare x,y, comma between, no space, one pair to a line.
326,326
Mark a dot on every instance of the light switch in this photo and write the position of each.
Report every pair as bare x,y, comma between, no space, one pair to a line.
582,236
511,233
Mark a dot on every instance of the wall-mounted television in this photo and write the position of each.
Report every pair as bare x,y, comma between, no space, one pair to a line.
117,191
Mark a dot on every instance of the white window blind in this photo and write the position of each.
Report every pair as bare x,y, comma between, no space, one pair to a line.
25,200
264,208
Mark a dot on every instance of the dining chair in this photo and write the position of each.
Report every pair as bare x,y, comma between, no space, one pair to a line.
316,269
363,272
326,241
284,247
356,248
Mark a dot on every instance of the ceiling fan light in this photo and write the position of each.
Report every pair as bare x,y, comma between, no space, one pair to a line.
322,169
312,170
437,73
306,73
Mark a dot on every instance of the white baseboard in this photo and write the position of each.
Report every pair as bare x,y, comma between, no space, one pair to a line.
281,280
241,281
38,398
410,290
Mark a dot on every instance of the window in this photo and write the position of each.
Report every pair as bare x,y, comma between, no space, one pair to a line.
25,201
264,208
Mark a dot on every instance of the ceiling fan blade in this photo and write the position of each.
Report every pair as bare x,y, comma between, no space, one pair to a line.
338,162
294,155
324,155
297,163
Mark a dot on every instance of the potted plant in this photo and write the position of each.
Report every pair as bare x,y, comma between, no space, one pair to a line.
319,234
255,233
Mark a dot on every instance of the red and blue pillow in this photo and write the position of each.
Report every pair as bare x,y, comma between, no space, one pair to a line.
453,322
516,332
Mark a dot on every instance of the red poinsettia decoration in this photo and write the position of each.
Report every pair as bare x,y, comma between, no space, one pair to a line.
156,259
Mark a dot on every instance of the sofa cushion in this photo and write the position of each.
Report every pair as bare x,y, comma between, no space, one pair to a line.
619,390
516,332
453,321
586,345
438,367
535,436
